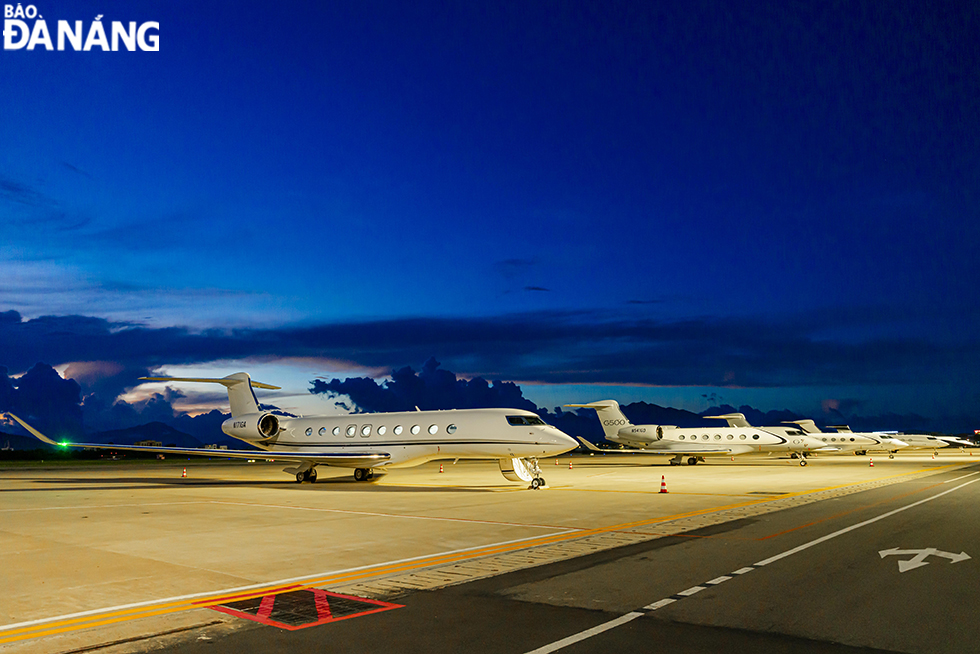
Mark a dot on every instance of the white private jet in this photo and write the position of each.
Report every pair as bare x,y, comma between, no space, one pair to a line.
833,445
853,442
370,442
915,441
694,442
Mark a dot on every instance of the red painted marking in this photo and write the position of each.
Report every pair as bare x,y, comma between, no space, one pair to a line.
322,604
265,608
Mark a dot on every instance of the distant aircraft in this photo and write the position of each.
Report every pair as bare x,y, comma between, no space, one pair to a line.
369,442
915,441
850,443
695,442
859,443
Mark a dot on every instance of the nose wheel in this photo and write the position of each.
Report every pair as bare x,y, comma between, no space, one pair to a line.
537,481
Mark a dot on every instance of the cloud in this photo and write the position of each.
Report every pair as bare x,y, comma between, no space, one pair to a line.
544,347
13,191
430,389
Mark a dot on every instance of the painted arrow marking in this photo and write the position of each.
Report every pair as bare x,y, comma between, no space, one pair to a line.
920,557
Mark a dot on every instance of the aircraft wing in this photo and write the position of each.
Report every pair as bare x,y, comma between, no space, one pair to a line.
670,450
339,459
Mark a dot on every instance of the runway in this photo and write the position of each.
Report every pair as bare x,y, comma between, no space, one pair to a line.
137,555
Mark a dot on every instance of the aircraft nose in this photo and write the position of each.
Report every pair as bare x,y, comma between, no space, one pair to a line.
562,441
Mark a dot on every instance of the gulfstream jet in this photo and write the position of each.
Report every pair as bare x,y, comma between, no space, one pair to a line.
371,442
695,442
851,442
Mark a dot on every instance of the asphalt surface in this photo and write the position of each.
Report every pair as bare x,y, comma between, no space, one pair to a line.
828,590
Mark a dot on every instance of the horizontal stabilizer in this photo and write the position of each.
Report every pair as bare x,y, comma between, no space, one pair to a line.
224,381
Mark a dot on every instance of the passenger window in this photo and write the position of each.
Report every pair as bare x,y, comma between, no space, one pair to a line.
451,429
381,430
309,431
416,429
433,429
366,431
704,437
755,437
741,437
351,430
336,430
730,437
682,436
323,430
717,437
398,429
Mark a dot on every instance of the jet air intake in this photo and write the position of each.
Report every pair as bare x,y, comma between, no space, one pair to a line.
253,427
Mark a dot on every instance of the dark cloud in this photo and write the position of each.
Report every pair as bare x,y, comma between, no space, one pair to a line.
546,346
537,288
430,389
43,395
14,191
75,169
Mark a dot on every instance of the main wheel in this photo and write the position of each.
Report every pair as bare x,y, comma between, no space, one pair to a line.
693,461
535,483
360,474
299,477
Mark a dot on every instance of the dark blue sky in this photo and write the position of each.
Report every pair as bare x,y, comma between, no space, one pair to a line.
774,203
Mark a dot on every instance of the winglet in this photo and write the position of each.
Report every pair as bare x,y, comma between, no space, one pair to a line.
588,445
36,433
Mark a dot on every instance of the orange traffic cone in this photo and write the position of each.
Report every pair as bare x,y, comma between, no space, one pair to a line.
184,473
933,456
733,458
663,484
440,467
871,463
556,461
569,464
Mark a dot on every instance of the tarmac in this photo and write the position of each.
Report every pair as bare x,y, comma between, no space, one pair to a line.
134,556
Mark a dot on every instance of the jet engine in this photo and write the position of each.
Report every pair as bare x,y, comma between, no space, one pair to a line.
253,427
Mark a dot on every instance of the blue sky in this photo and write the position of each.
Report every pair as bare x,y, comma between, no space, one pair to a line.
775,204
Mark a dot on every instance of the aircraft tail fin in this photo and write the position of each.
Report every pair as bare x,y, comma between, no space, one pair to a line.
610,416
240,395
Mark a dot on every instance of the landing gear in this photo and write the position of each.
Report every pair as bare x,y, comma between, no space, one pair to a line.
891,456
677,460
363,474
306,475
537,481
693,461
802,461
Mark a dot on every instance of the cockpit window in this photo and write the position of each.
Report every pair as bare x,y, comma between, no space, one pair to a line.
525,420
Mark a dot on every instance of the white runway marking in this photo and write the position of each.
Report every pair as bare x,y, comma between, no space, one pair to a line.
253,587
571,640
629,617
963,477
